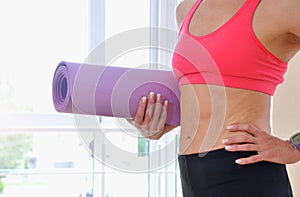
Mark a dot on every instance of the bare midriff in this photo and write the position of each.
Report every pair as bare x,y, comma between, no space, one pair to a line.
206,110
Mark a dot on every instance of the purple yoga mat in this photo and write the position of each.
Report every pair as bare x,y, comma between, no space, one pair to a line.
111,91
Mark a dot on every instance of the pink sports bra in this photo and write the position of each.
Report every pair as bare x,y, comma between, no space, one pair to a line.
230,56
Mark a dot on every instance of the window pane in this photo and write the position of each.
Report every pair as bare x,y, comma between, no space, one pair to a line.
40,152
38,156
35,36
115,174
127,16
57,164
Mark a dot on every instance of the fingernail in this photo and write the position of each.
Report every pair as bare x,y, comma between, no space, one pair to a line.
238,161
158,95
224,141
144,99
228,147
166,102
151,94
229,127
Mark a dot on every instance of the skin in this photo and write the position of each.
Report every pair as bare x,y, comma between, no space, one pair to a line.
244,125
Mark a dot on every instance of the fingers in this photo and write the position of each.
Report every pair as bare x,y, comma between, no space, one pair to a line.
156,110
249,128
159,111
148,112
241,147
239,140
151,115
139,116
257,140
249,160
163,115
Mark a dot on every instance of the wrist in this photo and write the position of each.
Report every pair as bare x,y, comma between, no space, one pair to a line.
294,142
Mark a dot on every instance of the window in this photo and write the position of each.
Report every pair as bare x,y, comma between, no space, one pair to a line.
149,166
42,153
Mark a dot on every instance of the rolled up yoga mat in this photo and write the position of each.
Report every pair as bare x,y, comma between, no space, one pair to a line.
111,91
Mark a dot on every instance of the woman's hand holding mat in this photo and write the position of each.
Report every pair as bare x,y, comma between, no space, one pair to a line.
151,115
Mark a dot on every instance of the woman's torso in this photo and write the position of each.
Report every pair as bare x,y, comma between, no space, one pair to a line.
206,110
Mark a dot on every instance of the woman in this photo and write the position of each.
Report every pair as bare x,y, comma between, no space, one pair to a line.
229,58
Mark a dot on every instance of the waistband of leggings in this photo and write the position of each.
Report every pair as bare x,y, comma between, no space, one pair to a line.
217,154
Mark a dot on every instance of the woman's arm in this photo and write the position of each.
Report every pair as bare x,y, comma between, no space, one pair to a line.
151,116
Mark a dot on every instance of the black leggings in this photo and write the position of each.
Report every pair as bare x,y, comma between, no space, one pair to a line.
215,174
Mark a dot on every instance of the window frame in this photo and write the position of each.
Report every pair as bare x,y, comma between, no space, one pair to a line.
162,16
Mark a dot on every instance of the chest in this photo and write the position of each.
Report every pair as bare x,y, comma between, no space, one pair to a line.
211,15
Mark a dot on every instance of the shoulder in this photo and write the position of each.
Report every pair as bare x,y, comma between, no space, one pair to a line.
294,17
282,18
286,13
182,10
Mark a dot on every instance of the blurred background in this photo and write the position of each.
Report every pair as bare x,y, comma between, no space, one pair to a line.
42,152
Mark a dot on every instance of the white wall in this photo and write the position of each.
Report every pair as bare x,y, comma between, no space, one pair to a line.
286,114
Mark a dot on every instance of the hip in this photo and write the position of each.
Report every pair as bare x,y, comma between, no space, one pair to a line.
215,173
